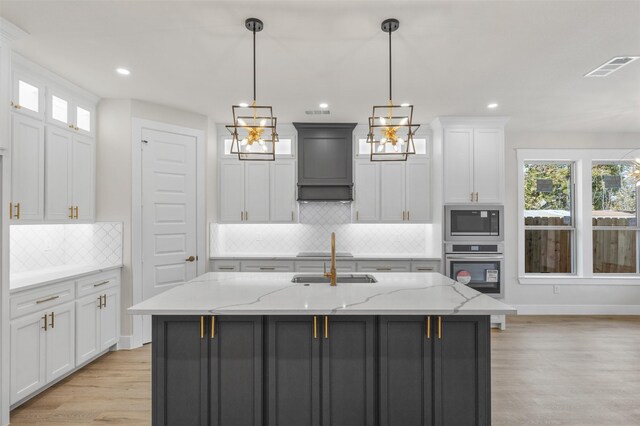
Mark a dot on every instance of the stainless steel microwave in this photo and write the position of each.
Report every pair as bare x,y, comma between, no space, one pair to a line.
472,223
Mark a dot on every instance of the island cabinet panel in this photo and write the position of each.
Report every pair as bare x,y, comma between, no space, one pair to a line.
462,393
235,370
348,371
405,370
293,370
207,370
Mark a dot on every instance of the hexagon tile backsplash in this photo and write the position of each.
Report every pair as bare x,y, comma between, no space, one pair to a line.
317,221
34,247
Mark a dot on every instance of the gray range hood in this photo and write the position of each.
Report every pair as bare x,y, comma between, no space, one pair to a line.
325,158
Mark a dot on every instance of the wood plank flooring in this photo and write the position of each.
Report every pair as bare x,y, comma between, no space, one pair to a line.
569,370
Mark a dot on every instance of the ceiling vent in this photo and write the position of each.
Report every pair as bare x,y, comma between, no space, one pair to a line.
317,112
613,65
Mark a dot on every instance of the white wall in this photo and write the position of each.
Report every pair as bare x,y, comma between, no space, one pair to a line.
571,298
113,180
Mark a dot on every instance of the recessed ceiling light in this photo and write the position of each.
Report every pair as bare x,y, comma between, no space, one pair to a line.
324,105
492,105
123,71
243,104
406,104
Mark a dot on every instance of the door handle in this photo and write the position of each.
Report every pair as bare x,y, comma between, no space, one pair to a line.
315,327
326,326
213,326
202,327
427,327
439,327
190,259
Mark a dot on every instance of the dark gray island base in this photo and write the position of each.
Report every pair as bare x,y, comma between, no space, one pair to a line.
339,370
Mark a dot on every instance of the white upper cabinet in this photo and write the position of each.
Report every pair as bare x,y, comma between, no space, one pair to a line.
367,194
53,148
473,165
59,174
283,191
27,171
393,192
27,95
417,192
256,192
488,165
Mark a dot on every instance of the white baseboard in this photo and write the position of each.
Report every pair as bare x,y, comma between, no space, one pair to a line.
578,309
125,343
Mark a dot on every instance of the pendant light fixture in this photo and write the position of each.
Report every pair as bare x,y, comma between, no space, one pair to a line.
253,131
391,128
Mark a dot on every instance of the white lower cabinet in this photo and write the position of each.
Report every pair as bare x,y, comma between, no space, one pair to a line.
42,349
97,327
57,328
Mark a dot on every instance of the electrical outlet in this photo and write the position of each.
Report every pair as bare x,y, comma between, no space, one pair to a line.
556,289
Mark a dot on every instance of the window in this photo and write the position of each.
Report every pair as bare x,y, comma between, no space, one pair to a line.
28,96
364,148
284,147
614,218
83,119
548,218
59,109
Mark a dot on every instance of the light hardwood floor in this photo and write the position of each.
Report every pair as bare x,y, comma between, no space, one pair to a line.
569,370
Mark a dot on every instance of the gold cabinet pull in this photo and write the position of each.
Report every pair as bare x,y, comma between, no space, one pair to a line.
44,318
476,197
357,215
10,210
471,197
213,326
101,283
71,126
71,212
16,106
315,327
267,268
53,320
428,327
383,269
439,327
402,214
226,268
326,326
105,300
100,302
17,210
76,209
408,215
48,299
241,216
424,269
246,215
201,327
291,215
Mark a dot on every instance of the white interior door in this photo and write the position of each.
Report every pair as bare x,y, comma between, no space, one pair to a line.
169,219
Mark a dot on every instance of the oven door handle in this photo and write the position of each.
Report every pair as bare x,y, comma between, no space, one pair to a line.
472,257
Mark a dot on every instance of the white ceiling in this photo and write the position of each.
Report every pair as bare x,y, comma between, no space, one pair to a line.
450,57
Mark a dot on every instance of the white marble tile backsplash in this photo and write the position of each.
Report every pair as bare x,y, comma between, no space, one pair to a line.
317,221
34,247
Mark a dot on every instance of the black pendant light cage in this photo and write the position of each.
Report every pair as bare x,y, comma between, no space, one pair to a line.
391,127
253,132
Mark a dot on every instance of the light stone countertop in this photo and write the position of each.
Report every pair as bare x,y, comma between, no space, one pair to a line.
27,280
242,293
293,256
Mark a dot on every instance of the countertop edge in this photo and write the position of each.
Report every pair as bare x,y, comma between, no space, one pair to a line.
71,276
318,312
305,258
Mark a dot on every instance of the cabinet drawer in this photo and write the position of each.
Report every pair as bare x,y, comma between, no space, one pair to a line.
384,266
425,266
225,266
266,266
39,299
97,282
342,266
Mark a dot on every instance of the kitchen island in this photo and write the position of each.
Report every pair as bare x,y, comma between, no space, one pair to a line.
259,349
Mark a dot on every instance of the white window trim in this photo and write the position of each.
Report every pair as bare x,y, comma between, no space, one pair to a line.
583,160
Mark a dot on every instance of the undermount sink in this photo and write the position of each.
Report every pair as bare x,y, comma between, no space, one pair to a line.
347,278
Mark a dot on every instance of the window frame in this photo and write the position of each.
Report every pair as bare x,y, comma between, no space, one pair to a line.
635,228
583,159
572,211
